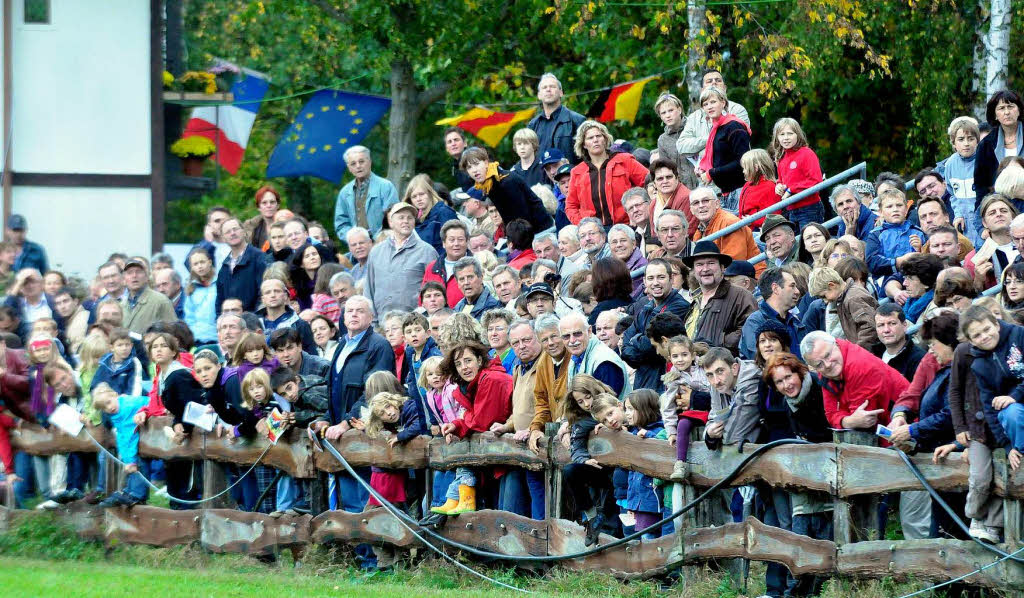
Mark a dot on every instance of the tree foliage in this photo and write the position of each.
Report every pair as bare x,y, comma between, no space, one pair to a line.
874,80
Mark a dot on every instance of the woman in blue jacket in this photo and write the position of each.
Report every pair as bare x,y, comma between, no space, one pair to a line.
200,303
431,211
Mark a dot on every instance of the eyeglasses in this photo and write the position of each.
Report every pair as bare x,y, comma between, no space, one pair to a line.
669,177
829,359
574,334
671,229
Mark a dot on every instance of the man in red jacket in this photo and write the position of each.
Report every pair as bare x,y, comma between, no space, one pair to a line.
455,240
858,388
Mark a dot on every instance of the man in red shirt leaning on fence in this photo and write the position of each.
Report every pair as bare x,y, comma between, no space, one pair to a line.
858,388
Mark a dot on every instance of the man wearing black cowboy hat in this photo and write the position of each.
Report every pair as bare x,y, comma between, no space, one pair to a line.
717,309
781,246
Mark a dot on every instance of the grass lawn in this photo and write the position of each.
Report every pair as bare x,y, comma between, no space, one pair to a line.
23,577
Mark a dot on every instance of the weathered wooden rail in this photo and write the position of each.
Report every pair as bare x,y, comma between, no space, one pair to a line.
852,474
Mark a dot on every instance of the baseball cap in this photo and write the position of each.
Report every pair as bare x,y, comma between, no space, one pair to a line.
398,207
135,263
540,287
740,268
563,170
551,156
17,222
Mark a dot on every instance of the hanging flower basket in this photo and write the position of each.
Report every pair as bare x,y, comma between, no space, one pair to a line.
192,166
193,151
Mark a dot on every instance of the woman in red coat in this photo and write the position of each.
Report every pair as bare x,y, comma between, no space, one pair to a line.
613,173
485,390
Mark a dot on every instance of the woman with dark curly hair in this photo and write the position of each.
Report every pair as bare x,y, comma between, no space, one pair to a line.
485,390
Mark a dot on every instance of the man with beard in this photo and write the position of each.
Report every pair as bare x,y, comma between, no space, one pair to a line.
639,349
718,310
593,240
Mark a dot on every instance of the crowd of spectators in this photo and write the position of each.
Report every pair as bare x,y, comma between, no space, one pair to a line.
592,286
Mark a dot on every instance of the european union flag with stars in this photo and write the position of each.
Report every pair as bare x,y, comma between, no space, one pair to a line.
329,123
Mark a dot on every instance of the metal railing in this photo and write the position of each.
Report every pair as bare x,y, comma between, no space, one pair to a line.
859,169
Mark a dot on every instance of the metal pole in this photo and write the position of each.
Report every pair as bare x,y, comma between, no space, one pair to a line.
842,176
860,168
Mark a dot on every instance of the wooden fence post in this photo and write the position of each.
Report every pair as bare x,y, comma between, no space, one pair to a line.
552,475
854,518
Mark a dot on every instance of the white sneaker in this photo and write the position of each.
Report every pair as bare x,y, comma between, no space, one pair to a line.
47,505
982,532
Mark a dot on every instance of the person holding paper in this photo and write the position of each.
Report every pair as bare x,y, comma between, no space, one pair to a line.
122,410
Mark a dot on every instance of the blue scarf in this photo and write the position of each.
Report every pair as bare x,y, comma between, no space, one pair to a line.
914,307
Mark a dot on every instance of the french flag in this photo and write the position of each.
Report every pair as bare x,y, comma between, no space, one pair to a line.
229,126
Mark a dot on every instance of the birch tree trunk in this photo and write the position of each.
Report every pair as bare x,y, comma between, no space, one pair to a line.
696,26
997,46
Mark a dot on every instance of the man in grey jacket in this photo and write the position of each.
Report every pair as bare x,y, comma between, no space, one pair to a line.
734,389
395,267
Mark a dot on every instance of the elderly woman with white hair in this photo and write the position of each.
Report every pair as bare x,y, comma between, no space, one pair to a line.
613,172
728,141
622,241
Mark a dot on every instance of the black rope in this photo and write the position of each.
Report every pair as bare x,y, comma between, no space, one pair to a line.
563,557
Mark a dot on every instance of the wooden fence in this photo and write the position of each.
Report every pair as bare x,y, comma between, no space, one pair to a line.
854,474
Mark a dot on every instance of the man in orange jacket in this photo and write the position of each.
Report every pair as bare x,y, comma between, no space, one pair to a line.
711,218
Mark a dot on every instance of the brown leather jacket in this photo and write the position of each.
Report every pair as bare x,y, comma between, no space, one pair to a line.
720,323
856,307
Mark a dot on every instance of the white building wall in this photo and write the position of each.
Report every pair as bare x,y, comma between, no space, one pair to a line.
78,239
82,90
81,105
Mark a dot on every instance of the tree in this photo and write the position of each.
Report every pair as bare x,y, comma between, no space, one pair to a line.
867,80
996,45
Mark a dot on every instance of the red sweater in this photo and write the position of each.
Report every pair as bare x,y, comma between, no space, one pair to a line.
156,407
622,172
489,400
754,198
6,454
436,272
523,259
865,378
798,170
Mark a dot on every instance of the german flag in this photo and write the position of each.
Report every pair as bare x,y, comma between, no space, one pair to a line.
618,103
487,125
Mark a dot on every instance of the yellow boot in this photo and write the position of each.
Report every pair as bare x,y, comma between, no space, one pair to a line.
446,508
467,500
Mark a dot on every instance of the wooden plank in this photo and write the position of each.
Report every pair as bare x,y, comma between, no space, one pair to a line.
874,470
152,526
493,531
35,440
292,454
362,451
636,559
926,560
483,450
215,481
87,520
227,530
756,541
